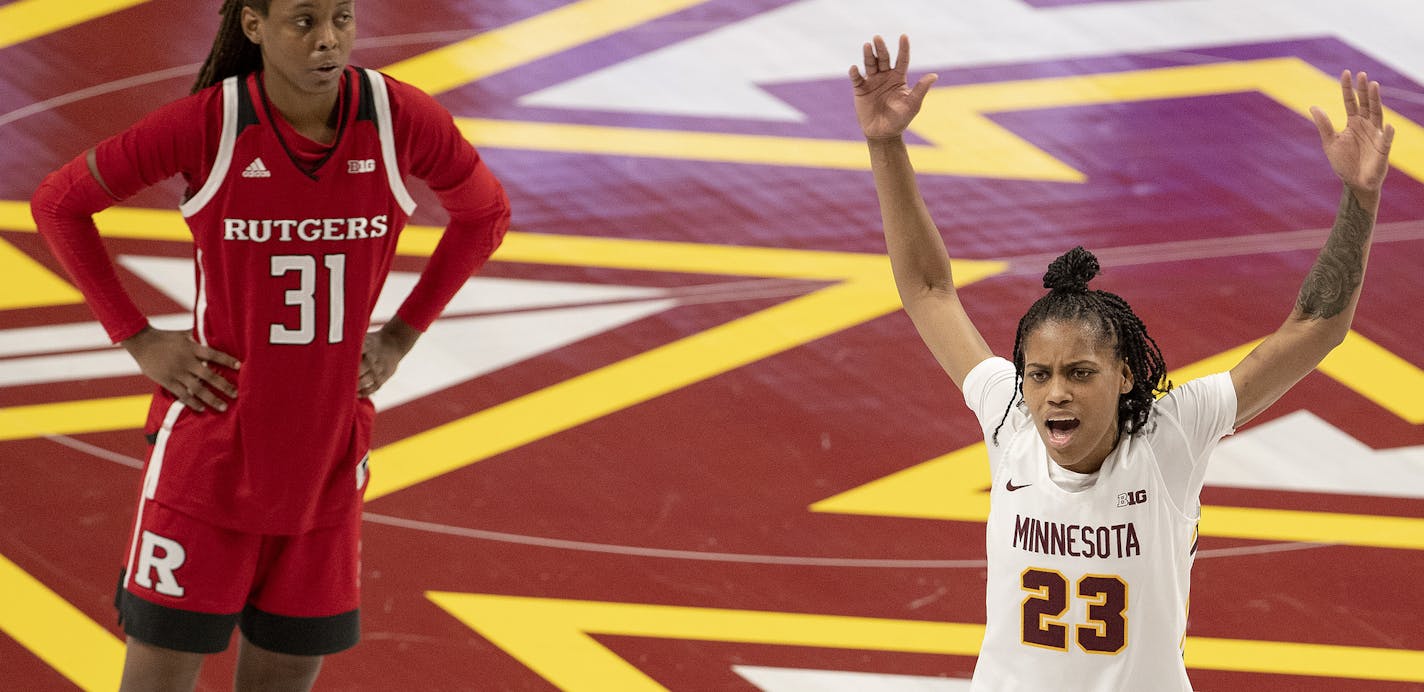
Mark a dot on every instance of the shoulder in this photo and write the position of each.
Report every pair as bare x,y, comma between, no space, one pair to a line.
1200,411
189,112
989,373
410,104
1197,396
992,376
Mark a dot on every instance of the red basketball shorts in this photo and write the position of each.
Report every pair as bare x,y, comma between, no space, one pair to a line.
186,583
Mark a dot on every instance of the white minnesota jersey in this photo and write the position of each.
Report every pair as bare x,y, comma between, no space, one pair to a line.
1088,581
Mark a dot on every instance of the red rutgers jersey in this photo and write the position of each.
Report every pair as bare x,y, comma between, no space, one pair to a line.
292,243
290,260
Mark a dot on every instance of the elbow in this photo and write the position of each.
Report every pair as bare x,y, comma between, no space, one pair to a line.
915,295
1319,336
46,204
1328,333
923,281
67,196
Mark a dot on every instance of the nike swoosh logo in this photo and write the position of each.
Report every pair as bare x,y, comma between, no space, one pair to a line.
1009,485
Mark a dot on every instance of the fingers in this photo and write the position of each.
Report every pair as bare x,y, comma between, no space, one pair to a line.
855,79
1376,108
208,397
371,375
1322,125
187,396
1362,96
1348,88
200,387
876,58
213,380
902,61
193,393
369,381
922,87
1388,140
212,355
882,54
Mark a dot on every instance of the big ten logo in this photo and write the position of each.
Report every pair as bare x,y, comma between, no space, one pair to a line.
1135,497
360,165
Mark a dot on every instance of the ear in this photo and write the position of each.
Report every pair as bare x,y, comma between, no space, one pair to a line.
1127,379
252,25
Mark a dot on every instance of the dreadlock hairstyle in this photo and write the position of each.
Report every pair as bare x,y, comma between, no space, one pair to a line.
232,54
1070,300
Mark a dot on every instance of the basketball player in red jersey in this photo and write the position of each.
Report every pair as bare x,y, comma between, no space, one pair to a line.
295,162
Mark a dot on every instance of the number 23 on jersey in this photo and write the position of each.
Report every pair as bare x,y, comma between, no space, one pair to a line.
1105,631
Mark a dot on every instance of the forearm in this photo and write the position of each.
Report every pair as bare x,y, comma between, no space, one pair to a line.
479,219
1328,296
402,335
1321,317
62,208
917,252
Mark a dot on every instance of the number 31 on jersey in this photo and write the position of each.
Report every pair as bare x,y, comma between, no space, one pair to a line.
303,297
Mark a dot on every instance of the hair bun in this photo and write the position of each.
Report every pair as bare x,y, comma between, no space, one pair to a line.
1071,271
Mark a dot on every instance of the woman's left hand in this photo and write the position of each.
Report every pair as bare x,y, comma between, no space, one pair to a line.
1359,153
382,352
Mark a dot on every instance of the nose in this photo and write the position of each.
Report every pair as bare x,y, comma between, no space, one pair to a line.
326,37
1058,392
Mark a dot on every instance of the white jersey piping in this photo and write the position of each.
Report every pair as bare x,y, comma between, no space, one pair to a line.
150,480
226,142
388,142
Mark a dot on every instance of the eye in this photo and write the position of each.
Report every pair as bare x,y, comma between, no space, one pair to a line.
1037,376
303,22
1082,373
345,18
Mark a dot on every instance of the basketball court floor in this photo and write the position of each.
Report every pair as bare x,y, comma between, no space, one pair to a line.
678,434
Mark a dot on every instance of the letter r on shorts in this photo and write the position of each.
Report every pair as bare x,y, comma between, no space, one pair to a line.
160,556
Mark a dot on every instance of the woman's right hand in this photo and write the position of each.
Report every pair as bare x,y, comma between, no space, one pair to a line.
180,365
883,104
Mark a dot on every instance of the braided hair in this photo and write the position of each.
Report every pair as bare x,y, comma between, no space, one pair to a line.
1070,300
232,53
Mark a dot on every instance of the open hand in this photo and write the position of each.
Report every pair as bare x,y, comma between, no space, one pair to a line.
883,104
1359,153
180,365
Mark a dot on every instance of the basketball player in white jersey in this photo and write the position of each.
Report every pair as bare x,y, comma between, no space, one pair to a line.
1094,504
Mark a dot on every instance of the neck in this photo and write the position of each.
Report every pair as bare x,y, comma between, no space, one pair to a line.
1096,460
313,115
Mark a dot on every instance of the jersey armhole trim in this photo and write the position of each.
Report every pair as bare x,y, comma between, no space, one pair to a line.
226,142
388,141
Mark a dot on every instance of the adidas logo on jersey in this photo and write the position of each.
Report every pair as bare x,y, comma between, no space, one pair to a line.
256,169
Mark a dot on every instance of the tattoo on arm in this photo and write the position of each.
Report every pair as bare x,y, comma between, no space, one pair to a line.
1341,264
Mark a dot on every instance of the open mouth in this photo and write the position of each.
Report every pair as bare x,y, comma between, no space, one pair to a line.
1060,430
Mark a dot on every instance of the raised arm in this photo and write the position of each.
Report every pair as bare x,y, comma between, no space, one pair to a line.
885,105
1359,155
